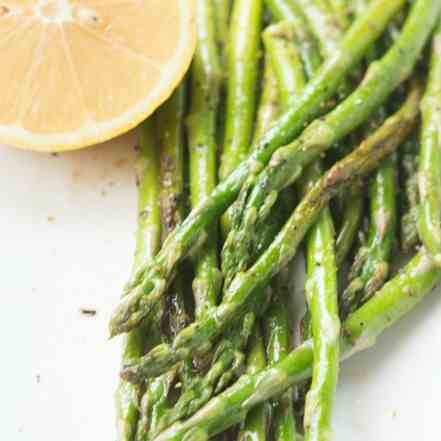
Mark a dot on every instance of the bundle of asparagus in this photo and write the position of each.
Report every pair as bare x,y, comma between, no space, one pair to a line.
336,109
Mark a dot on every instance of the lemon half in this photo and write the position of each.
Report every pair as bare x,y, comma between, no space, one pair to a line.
78,72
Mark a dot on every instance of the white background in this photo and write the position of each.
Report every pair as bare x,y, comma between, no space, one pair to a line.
67,227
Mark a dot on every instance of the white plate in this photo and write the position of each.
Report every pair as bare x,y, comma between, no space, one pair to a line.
66,242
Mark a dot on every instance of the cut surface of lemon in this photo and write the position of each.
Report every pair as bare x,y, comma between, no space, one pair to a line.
78,72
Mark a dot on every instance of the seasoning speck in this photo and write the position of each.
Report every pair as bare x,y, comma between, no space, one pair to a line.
88,311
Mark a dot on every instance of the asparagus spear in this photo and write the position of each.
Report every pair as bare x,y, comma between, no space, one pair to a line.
429,174
322,297
170,132
229,357
279,39
243,67
371,265
287,163
360,331
269,106
222,10
237,299
283,56
226,362
255,425
201,124
256,422
409,169
148,240
278,334
291,81
287,69
169,129
329,30
205,84
322,280
150,282
353,205
242,81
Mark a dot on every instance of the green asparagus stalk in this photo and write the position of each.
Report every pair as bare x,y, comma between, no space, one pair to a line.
148,240
429,174
237,299
256,422
255,425
243,63
329,31
322,297
229,354
222,9
269,106
321,281
170,132
280,37
278,332
201,124
282,51
242,81
226,363
353,207
322,275
371,265
360,331
243,67
410,200
153,404
281,55
169,129
261,191
150,282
